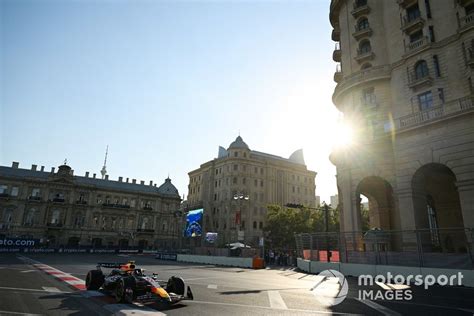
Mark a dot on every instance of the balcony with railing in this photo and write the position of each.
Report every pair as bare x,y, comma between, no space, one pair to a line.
81,202
438,113
359,9
418,44
336,35
336,55
148,208
34,198
115,205
410,24
145,230
361,32
416,81
466,22
4,195
338,73
364,55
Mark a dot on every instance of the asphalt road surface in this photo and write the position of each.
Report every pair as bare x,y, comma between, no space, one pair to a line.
27,290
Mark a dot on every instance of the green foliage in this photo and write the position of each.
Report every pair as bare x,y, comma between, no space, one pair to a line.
283,223
364,216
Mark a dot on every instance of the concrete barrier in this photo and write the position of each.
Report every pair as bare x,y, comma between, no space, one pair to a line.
355,269
217,260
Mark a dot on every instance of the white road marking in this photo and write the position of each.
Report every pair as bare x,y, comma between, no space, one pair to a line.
212,286
30,290
51,289
467,310
314,312
27,271
126,310
17,313
275,300
383,285
379,308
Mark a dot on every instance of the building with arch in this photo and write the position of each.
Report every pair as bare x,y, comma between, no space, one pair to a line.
63,209
405,86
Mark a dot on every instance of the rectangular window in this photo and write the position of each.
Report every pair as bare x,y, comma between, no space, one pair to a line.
428,9
243,181
436,66
432,35
3,189
217,171
413,12
236,154
261,183
441,94
425,100
236,167
261,170
234,180
14,191
35,192
256,170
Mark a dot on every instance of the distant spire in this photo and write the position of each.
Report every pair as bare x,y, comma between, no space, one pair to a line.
65,161
104,169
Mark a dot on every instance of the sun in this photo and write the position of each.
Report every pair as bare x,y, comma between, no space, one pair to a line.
343,135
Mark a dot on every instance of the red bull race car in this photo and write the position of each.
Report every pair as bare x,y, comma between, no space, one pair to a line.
130,284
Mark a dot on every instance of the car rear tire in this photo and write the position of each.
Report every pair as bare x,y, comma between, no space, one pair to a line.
124,291
175,285
94,280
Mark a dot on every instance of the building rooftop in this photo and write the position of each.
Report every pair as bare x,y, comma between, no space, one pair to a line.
166,189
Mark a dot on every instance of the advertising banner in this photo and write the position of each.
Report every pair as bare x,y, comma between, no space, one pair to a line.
194,223
18,242
166,256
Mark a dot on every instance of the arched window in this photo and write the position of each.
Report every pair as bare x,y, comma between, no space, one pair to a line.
364,47
421,69
362,24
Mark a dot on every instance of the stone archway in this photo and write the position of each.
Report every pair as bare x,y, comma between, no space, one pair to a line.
382,211
437,209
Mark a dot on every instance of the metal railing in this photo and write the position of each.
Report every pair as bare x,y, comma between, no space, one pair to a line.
441,248
417,44
435,113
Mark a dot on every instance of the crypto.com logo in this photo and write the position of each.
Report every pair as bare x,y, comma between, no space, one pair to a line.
331,289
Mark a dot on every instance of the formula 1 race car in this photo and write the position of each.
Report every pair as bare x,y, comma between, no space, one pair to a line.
128,284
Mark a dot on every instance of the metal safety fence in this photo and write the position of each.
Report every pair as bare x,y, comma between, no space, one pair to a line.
432,248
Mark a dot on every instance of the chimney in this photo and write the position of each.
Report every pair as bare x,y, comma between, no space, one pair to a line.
142,182
52,169
127,180
120,179
15,165
155,185
151,182
106,177
87,174
93,176
72,172
134,181
33,167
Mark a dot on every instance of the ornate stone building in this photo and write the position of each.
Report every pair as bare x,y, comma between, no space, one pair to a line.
235,188
405,84
61,208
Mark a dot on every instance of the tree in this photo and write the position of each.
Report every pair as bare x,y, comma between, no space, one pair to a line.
283,223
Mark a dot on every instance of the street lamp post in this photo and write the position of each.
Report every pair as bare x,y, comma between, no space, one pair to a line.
239,197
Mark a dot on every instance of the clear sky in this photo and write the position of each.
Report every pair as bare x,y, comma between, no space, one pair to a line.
164,83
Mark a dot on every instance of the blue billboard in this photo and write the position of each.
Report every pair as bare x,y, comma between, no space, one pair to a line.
194,223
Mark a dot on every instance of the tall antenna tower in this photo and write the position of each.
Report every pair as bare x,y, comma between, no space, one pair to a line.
104,170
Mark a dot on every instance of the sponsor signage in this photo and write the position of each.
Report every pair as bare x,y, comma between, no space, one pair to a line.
18,242
103,251
10,249
166,256
72,250
40,250
128,251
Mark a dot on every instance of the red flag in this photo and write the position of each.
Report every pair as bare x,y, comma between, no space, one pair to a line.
237,218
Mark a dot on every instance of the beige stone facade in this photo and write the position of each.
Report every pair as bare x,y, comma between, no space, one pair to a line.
62,209
258,178
404,84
